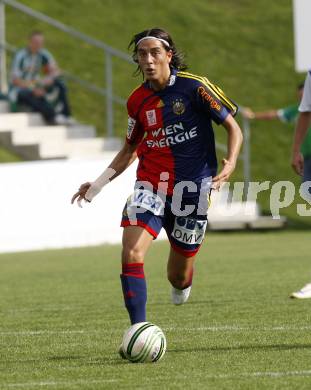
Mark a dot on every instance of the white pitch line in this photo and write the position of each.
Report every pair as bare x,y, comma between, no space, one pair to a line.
62,383
280,374
51,332
221,328
259,374
262,374
236,328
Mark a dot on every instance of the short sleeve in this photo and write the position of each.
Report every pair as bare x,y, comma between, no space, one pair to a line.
135,131
288,114
305,104
212,100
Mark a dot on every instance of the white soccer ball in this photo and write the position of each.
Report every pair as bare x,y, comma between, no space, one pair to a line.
144,342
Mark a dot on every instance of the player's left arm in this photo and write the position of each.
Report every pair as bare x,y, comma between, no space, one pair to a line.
235,139
212,100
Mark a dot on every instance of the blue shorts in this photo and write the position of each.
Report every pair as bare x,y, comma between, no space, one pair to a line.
185,232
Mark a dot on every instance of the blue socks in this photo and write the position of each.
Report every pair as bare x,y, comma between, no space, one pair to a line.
134,291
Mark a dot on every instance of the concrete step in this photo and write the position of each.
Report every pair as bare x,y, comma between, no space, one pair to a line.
260,223
240,212
29,129
95,147
86,148
52,142
27,152
4,107
10,121
227,225
81,131
26,135
77,148
267,222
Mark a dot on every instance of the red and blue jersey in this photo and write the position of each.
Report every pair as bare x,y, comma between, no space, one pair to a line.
173,128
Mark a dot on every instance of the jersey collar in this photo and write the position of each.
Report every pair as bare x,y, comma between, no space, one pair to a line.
171,81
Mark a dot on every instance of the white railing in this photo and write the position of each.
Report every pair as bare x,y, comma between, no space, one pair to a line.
109,53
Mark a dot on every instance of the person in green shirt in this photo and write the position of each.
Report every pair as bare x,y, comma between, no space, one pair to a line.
289,114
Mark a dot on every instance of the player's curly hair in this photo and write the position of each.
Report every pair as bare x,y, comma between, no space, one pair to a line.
177,61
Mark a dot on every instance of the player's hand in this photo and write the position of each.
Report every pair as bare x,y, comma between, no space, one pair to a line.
248,113
224,174
297,163
80,195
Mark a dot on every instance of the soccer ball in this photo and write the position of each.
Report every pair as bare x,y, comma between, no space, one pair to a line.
144,342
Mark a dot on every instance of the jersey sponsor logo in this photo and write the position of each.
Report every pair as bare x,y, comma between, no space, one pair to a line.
171,135
146,200
210,99
189,230
151,117
168,130
130,126
178,107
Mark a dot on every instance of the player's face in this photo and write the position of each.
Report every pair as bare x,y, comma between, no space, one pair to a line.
154,60
36,43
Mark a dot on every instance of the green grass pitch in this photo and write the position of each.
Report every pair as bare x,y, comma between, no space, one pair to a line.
62,318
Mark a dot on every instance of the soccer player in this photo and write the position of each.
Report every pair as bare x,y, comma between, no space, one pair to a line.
300,164
170,131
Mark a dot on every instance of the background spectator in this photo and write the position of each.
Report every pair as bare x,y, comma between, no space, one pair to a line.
35,82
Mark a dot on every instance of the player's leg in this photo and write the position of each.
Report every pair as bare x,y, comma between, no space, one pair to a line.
179,273
141,226
186,235
305,291
136,242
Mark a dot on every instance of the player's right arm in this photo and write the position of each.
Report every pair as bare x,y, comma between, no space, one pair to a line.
263,115
123,160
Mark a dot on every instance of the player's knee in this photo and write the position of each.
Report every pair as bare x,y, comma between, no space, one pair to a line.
177,280
132,254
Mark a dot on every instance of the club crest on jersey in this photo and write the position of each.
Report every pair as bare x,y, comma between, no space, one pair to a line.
151,117
178,107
